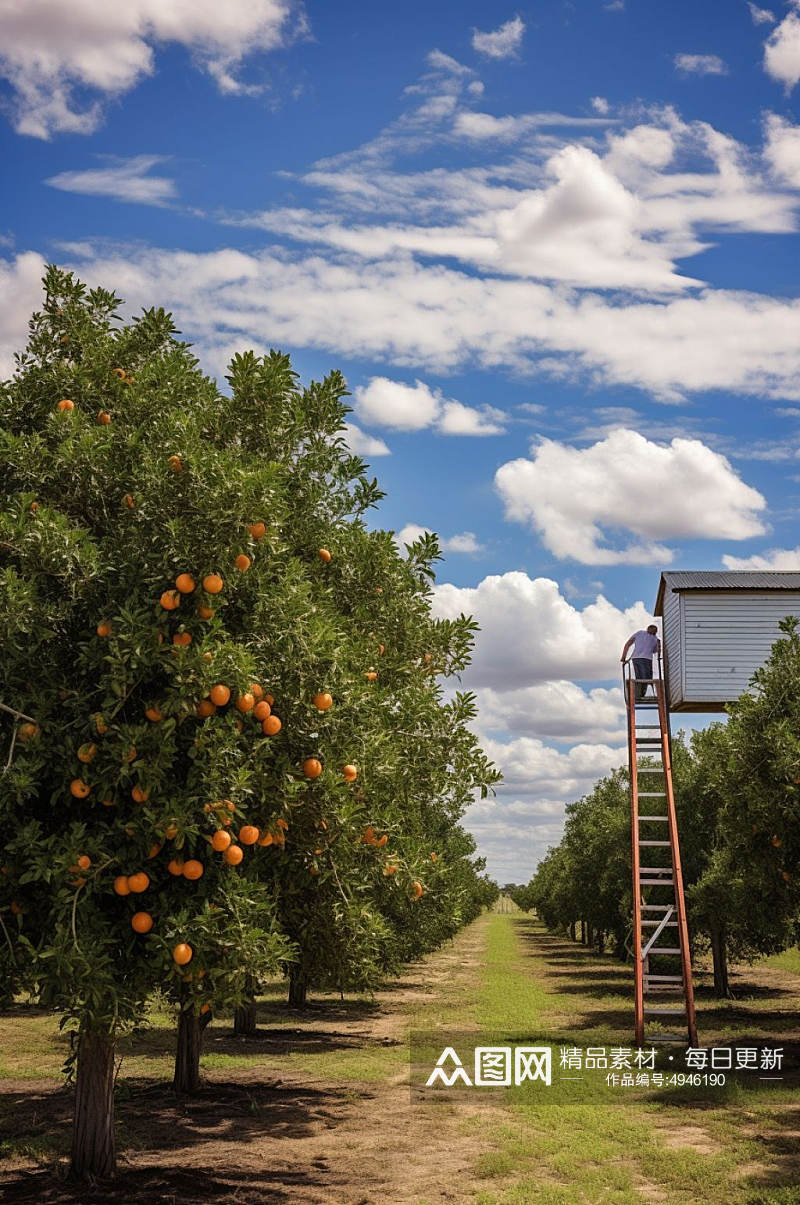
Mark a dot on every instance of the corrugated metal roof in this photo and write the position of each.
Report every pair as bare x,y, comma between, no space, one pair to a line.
726,579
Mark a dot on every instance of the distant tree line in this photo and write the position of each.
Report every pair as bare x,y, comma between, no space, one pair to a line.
737,798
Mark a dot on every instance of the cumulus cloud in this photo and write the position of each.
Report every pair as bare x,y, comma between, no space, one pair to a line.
700,64
361,443
558,710
120,179
761,16
20,295
465,541
529,633
394,404
601,105
541,769
776,558
782,148
782,49
502,43
578,498
52,54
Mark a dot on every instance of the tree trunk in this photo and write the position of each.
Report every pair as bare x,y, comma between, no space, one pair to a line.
244,1020
298,988
94,1155
572,929
601,941
589,934
719,952
583,932
187,1054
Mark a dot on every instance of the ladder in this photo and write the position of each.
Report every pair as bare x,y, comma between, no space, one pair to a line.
660,933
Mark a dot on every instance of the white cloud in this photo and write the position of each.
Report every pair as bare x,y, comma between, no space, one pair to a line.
484,127
578,498
394,404
361,443
531,765
700,64
761,16
782,49
601,105
502,43
465,542
20,295
123,179
50,51
529,633
557,710
776,558
782,148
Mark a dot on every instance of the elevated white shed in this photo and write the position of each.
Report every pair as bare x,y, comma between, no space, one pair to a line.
718,628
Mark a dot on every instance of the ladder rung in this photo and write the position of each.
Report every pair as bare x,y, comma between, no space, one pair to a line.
656,726
654,817
665,923
656,882
665,1037
649,740
651,794
664,978
665,1012
657,907
655,869
664,950
654,842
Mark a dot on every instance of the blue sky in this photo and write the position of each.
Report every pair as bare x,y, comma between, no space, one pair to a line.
552,247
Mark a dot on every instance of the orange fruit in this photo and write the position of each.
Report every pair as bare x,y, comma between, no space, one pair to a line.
248,834
266,839
103,418
205,612
182,639
786,876
416,889
205,708
170,600
193,869
121,885
381,841
242,562
212,583
233,855
129,502
324,555
369,836
141,922
34,506
119,372
389,868
371,676
220,841
257,530
108,803
138,882
271,726
776,841
66,405
281,823
205,1008
256,691
262,710
171,831
381,649
220,694
86,753
154,851
100,724
79,789
312,766
269,699
153,714
185,583
434,857
349,773
26,732
379,589
84,862
130,755
104,629
175,867
182,953
245,702
140,795
176,464
323,700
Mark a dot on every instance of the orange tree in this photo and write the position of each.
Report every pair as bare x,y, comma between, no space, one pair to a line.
184,575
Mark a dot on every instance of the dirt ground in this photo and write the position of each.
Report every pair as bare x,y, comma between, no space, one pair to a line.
260,1139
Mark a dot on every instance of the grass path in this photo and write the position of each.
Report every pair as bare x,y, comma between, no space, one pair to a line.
317,1108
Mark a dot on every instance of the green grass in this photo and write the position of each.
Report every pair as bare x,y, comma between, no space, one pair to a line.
789,961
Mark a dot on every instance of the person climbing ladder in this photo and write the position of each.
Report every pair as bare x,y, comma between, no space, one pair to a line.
646,644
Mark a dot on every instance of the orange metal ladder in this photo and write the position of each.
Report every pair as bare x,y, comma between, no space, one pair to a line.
660,933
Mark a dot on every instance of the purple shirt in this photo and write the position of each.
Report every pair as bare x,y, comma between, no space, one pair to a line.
644,644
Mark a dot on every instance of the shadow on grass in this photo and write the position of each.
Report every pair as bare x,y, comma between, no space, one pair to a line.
152,1121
